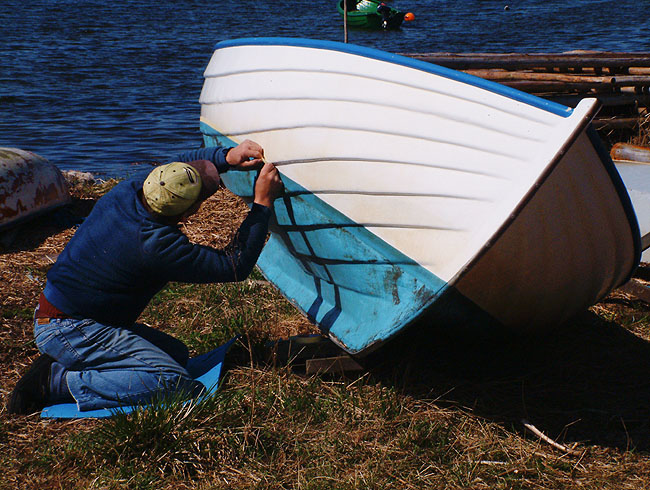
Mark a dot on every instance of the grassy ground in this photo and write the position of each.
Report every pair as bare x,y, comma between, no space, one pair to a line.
447,413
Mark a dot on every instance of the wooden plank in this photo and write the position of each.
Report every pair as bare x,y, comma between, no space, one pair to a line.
498,75
537,87
639,71
515,61
298,348
565,78
619,80
608,100
616,122
332,365
637,289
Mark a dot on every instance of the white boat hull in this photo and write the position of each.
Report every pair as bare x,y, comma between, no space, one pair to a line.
406,179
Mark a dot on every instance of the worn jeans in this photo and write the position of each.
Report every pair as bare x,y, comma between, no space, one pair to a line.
111,366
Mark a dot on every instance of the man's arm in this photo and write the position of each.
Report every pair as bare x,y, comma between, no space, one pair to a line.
176,259
186,262
215,154
248,155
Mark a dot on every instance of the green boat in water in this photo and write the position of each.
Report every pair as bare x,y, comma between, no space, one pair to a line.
372,14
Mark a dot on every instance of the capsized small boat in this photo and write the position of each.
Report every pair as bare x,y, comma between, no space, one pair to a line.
633,165
371,14
413,191
29,186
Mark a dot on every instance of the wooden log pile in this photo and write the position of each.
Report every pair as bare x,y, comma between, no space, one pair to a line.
621,81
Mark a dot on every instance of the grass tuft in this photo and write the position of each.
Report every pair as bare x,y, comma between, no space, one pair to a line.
443,414
171,436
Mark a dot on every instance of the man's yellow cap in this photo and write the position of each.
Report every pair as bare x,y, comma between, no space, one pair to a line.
171,189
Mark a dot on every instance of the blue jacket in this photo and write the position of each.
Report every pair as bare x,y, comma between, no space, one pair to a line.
120,257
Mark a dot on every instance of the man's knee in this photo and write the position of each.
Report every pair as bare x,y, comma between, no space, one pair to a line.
173,347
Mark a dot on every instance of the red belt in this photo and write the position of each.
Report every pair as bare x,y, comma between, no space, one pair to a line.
47,310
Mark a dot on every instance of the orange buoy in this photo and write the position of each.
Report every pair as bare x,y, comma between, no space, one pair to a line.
408,17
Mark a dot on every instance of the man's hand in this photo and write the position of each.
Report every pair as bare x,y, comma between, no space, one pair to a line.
268,186
248,155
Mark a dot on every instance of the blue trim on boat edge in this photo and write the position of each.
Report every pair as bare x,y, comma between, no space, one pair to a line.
397,59
358,289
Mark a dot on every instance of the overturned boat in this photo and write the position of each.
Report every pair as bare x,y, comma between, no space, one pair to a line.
29,186
633,165
415,191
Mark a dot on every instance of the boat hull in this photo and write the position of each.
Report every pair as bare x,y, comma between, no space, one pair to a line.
636,177
29,186
417,188
562,249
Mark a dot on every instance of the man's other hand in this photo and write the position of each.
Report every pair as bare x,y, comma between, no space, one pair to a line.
268,186
248,155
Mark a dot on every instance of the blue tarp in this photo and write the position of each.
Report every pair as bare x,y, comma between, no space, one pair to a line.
205,368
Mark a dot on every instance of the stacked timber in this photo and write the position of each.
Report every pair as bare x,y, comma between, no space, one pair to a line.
621,81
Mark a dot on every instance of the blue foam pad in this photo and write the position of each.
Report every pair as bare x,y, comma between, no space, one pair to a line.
205,368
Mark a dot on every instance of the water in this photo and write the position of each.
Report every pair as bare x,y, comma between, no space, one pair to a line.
98,85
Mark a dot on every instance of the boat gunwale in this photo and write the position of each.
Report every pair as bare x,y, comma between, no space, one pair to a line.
384,56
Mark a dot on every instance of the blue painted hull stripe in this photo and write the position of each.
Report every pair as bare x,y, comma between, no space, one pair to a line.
379,55
348,281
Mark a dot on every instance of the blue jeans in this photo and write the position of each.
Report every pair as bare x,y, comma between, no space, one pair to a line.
111,366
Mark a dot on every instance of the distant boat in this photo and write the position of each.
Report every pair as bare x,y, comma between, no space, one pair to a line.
371,14
414,191
29,186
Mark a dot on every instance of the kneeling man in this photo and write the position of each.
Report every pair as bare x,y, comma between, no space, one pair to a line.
126,250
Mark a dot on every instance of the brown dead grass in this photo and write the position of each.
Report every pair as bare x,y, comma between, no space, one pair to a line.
26,253
217,220
642,133
441,414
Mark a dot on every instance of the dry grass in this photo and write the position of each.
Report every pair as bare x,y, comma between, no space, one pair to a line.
436,414
643,136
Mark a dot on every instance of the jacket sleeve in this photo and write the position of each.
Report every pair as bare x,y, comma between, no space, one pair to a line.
216,154
174,258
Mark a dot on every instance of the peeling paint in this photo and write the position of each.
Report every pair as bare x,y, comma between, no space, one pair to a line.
29,185
391,283
424,295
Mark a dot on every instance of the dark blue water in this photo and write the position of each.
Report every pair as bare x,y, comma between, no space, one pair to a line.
97,85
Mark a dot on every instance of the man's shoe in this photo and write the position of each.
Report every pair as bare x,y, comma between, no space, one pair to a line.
31,392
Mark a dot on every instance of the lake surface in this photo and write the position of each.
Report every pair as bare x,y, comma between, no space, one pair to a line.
96,86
